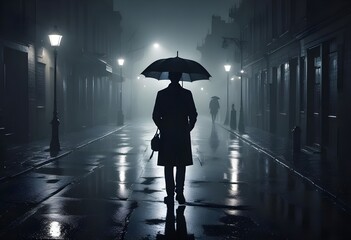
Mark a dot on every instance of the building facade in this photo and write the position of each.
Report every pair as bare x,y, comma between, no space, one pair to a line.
296,57
87,85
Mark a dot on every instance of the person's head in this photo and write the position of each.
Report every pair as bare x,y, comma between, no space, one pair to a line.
174,76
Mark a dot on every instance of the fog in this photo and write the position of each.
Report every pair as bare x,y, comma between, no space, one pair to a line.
176,26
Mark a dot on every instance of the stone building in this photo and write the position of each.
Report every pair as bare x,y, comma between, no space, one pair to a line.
87,85
296,57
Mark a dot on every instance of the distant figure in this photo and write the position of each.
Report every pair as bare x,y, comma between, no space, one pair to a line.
214,107
233,118
175,115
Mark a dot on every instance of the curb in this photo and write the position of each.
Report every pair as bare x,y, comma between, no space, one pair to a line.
52,159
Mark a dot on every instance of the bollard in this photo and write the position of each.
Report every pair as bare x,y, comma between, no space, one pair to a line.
233,118
296,132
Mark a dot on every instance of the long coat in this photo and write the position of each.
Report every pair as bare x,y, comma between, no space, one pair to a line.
214,106
175,115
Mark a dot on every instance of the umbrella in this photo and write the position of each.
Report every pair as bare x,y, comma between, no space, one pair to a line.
191,70
215,97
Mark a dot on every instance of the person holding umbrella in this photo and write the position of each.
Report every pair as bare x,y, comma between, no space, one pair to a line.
214,106
175,115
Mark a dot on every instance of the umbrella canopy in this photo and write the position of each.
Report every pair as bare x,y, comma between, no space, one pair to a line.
191,70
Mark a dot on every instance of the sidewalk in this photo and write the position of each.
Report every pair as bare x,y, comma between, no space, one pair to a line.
325,175
23,158
321,173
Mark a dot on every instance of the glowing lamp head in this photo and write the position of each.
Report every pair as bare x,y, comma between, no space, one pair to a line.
120,61
227,67
55,38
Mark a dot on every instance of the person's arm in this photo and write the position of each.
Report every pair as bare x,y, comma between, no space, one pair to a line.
156,114
192,112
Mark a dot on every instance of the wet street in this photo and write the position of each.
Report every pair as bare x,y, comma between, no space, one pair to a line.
110,189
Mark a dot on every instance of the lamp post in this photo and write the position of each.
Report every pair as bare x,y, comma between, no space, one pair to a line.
227,68
241,126
239,43
55,40
120,117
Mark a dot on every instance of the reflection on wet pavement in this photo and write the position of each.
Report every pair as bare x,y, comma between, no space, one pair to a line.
111,190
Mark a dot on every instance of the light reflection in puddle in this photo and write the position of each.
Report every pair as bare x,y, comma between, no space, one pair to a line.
123,144
55,229
122,170
232,202
123,150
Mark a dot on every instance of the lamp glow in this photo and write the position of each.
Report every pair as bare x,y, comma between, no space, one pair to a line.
120,61
227,67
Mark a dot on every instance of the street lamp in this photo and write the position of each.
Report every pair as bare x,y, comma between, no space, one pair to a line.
120,118
239,43
227,68
241,126
55,40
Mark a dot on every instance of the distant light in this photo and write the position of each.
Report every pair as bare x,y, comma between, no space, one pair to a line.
202,89
144,86
242,71
156,45
55,38
232,79
138,77
227,67
120,61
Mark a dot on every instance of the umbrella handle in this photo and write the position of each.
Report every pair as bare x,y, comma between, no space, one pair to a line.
152,154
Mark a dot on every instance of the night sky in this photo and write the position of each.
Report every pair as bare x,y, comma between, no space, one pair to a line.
177,25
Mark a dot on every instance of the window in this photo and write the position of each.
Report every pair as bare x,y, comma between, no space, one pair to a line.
40,85
302,83
283,79
333,77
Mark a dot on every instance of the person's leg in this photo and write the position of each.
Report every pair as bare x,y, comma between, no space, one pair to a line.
180,178
169,179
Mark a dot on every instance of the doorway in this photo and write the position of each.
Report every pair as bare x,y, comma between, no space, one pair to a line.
314,79
16,94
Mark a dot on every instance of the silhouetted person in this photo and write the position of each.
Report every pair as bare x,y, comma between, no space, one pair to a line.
214,107
175,115
233,118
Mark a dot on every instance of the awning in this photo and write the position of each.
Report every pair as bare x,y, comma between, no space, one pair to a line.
92,64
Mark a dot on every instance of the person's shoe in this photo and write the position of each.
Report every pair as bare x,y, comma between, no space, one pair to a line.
180,198
168,200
